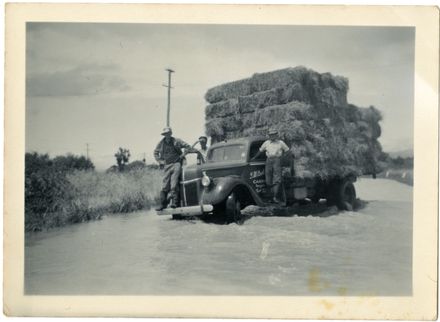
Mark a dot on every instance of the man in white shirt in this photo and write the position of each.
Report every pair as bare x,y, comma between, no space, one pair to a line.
274,148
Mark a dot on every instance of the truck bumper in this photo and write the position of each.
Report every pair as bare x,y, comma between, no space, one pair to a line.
187,211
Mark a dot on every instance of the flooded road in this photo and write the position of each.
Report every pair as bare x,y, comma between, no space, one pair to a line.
367,252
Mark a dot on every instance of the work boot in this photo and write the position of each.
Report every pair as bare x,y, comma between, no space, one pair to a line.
174,200
163,201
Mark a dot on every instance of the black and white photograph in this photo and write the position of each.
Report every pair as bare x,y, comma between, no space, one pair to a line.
223,159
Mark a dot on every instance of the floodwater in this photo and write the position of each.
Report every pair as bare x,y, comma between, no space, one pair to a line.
367,252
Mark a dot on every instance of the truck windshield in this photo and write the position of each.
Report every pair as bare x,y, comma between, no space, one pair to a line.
236,152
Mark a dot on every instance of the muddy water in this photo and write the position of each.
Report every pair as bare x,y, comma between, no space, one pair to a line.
348,253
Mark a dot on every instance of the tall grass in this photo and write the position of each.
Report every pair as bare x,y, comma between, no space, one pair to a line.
85,195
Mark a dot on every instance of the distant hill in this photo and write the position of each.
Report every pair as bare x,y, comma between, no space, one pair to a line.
408,153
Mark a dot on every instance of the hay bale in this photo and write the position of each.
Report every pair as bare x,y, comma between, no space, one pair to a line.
326,90
330,97
232,123
250,103
301,166
254,132
272,97
372,116
232,135
277,114
352,113
337,82
229,90
215,127
294,92
279,78
218,126
309,85
292,131
328,137
222,108
248,120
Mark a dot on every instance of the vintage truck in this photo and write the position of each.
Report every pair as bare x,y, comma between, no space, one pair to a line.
229,181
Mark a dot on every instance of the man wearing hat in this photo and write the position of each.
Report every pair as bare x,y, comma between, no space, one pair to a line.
169,154
274,148
203,151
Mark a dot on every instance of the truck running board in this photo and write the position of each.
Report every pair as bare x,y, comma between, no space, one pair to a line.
186,211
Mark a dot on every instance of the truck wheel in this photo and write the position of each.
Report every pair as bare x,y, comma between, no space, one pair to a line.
233,209
346,196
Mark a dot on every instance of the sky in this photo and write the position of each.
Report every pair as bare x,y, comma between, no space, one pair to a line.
102,84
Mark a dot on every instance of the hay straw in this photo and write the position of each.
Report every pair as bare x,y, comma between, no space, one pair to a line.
309,86
229,90
222,108
214,127
274,115
250,103
328,136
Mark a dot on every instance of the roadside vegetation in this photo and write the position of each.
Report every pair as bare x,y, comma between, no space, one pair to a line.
399,169
401,175
68,189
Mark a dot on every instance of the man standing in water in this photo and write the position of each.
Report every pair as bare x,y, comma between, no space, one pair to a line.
274,148
203,151
169,154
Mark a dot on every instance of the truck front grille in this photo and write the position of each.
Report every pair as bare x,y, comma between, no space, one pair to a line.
190,193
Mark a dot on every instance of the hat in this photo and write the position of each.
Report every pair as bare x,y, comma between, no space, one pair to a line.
203,137
273,131
166,130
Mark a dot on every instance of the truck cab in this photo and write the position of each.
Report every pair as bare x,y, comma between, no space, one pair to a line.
229,181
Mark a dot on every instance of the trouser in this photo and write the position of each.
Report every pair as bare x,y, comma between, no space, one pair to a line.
273,174
170,182
273,171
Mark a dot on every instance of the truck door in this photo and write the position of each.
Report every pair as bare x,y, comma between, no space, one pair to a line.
256,174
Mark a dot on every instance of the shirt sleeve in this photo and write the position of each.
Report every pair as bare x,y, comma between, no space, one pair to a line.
182,144
157,151
284,146
263,146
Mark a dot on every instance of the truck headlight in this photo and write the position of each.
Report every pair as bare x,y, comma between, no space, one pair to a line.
206,181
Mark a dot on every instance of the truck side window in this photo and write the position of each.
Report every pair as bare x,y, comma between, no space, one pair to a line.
255,146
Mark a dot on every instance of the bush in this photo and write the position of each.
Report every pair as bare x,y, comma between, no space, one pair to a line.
66,190
72,162
46,188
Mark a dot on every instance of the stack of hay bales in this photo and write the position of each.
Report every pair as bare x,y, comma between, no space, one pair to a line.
328,136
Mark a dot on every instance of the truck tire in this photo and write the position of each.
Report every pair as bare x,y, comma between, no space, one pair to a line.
233,209
345,195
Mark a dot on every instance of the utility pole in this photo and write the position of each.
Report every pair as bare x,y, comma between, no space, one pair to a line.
169,70
87,150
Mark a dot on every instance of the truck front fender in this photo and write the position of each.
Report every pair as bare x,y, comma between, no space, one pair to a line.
222,187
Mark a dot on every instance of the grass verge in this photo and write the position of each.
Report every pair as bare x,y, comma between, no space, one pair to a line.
86,195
